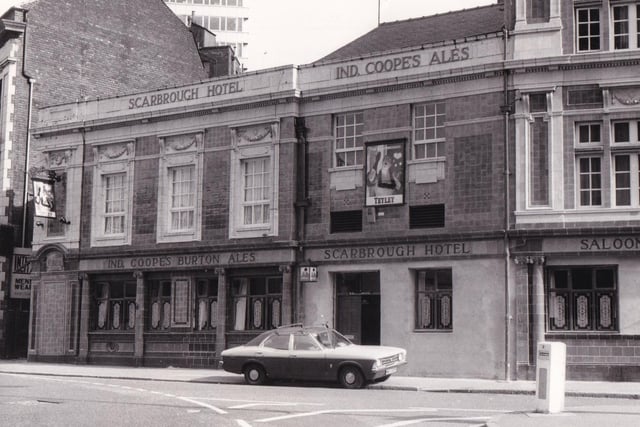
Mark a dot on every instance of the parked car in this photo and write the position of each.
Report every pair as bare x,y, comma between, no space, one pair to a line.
311,353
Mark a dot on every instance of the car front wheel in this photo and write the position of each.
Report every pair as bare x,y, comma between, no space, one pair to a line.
255,374
351,377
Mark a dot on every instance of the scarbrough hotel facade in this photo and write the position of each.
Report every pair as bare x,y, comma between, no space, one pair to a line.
463,185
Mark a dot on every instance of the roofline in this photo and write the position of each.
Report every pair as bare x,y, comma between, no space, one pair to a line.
441,43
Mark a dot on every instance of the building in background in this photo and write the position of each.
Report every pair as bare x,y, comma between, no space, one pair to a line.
69,52
227,19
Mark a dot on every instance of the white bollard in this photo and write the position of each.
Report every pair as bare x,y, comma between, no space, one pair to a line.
550,377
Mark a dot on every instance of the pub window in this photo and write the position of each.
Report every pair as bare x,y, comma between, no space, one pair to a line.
114,305
588,134
257,303
434,297
588,29
159,303
428,130
590,181
206,304
626,170
625,21
348,147
582,298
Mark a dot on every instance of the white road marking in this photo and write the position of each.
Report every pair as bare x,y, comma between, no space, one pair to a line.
205,405
243,423
253,405
265,402
338,411
422,420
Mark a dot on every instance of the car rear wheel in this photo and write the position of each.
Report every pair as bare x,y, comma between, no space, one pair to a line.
351,377
255,374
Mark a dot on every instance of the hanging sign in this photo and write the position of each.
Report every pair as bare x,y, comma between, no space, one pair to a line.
44,198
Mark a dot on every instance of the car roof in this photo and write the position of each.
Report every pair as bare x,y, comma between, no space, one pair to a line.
297,328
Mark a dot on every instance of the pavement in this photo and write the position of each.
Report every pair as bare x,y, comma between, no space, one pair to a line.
605,415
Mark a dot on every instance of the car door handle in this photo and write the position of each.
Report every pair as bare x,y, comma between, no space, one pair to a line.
292,356
258,353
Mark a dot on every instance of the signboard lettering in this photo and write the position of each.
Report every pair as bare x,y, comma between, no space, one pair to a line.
436,57
167,261
607,243
400,251
181,95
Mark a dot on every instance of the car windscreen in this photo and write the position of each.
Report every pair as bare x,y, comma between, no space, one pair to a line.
257,340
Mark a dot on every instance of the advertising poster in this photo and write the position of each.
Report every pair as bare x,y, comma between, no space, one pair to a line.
44,198
385,169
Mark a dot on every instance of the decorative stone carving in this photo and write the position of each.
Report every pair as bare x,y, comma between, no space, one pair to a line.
625,96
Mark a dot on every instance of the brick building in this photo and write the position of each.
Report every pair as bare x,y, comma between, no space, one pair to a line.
463,185
52,53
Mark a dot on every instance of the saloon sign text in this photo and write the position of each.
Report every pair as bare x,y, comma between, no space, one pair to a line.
436,57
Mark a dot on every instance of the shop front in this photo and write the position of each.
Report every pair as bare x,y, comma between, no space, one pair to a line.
584,287
158,310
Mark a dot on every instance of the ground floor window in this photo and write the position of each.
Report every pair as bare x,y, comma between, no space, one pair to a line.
114,305
257,303
434,297
582,298
206,304
159,305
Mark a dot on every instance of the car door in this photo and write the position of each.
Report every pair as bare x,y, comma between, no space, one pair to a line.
307,358
274,354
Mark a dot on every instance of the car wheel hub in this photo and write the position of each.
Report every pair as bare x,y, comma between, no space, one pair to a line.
350,378
254,374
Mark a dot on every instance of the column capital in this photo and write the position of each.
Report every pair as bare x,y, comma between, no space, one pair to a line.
83,276
285,268
529,259
220,271
138,275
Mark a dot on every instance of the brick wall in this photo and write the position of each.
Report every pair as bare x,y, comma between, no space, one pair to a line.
93,48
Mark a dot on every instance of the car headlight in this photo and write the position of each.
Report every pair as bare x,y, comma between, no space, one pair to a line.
401,357
376,365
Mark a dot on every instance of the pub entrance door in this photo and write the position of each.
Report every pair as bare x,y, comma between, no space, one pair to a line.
358,306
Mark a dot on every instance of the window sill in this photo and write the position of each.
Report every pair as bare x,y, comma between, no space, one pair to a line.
432,331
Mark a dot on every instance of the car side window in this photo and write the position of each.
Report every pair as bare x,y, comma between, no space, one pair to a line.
277,342
305,342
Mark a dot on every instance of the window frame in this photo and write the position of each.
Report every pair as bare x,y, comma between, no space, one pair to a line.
348,138
589,126
209,298
439,125
590,37
591,190
243,299
252,143
126,321
570,294
439,320
177,151
112,159
632,20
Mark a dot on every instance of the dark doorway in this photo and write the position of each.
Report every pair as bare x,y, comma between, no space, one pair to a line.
17,328
358,306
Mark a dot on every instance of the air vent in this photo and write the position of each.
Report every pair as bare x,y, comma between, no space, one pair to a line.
428,216
346,221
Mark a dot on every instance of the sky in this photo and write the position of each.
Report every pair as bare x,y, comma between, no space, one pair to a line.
298,32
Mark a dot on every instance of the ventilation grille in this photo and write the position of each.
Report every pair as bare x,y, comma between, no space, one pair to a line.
429,216
346,221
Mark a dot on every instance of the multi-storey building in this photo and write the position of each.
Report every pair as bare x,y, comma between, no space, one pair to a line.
53,53
463,185
227,19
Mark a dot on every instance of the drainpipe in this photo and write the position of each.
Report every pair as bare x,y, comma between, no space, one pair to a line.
506,110
31,80
302,201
